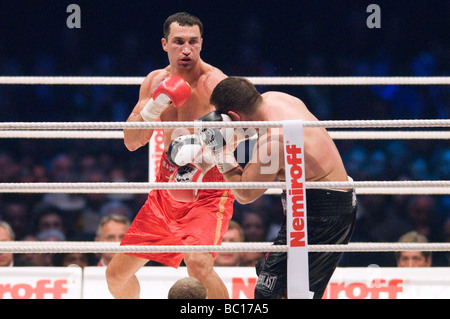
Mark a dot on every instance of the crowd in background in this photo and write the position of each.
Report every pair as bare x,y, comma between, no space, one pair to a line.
381,218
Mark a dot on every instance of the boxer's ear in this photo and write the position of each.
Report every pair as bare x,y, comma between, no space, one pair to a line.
234,116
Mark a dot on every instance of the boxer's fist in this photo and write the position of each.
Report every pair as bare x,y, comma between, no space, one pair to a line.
172,89
220,141
216,138
185,149
188,152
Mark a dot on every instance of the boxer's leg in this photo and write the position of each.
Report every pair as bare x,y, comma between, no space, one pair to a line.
200,266
121,278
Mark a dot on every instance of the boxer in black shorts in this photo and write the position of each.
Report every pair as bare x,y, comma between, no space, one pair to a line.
331,218
331,213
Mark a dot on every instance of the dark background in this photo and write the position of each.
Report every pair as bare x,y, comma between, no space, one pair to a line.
248,38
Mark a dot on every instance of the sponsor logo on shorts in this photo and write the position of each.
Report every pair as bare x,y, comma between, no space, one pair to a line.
266,281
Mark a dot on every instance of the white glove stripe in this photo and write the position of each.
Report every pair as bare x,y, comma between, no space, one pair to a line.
153,109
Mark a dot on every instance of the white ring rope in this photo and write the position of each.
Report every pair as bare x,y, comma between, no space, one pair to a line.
375,187
257,80
337,135
388,135
442,186
63,134
108,247
202,124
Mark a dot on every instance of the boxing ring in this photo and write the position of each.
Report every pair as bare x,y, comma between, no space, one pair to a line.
112,130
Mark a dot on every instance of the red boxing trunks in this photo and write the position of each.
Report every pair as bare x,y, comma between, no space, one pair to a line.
164,221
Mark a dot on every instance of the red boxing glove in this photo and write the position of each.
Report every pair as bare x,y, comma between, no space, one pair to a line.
172,89
175,88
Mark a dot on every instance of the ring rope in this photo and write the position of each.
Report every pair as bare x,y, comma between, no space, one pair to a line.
53,247
63,134
145,187
386,191
107,247
257,80
202,124
338,135
389,135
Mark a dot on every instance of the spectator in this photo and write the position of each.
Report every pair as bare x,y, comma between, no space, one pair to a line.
16,214
254,226
51,235
7,259
9,168
49,218
69,259
61,211
233,235
187,288
29,259
255,230
62,168
89,216
6,234
413,258
46,259
115,207
111,228
420,213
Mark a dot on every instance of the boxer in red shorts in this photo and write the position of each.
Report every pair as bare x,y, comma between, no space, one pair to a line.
165,221
179,92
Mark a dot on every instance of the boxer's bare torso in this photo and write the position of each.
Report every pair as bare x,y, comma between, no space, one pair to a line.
183,48
322,159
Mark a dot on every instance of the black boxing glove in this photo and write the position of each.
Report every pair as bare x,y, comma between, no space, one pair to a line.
220,141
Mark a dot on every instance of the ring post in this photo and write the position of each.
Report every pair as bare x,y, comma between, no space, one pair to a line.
297,235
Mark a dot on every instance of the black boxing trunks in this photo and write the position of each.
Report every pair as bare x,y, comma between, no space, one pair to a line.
331,218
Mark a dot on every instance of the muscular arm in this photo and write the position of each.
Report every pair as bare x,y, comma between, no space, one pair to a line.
134,138
265,166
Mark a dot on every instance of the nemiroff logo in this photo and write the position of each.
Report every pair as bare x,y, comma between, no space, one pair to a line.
294,160
44,288
377,289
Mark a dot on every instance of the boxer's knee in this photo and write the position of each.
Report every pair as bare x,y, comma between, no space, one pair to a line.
121,268
199,265
114,277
